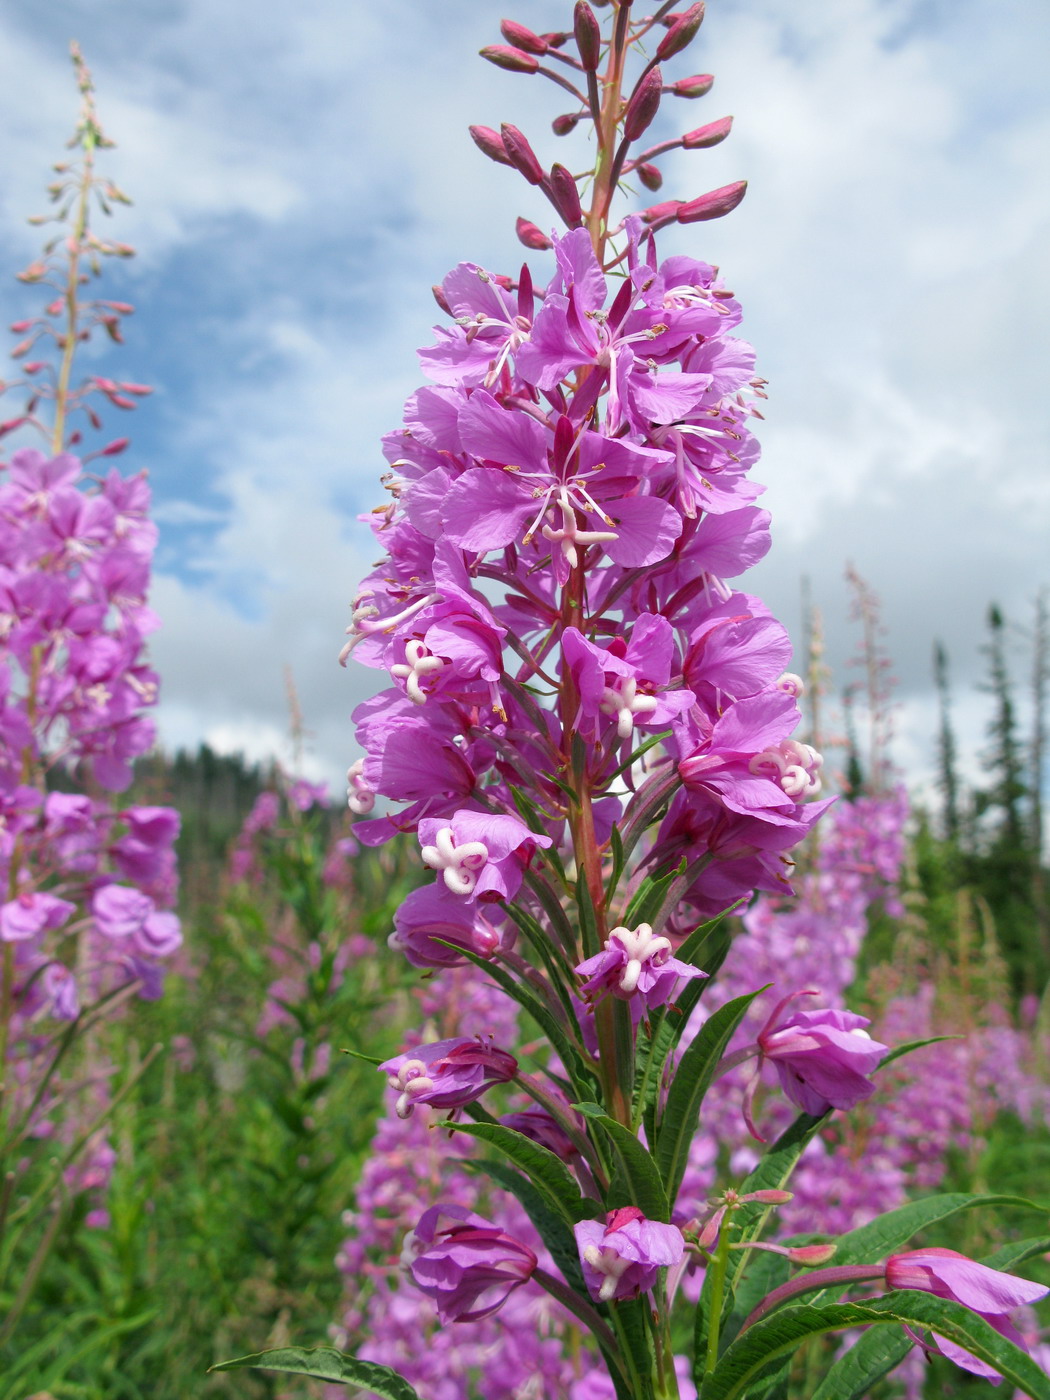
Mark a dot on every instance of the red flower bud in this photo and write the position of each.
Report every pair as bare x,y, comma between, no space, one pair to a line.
713,204
650,176
699,85
561,126
643,106
681,33
811,1254
115,447
660,214
20,327
522,38
709,135
10,425
532,236
489,143
521,155
588,36
565,196
441,299
514,60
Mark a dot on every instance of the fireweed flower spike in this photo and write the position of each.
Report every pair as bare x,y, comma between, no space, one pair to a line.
990,1292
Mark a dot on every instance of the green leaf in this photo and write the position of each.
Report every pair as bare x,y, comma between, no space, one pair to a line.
372,1060
1011,1255
327,1364
649,896
582,1076
548,1173
782,1333
639,1177
550,1224
890,1232
906,1049
588,919
696,1070
867,1361
706,946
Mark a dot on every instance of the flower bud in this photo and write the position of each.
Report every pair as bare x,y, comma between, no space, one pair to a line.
642,108
699,85
114,448
709,135
561,126
565,196
659,214
588,36
523,38
468,1268
712,205
650,176
441,299
489,143
521,155
513,60
681,33
532,236
811,1255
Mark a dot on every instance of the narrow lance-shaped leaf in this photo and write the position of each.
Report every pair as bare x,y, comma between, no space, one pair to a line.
783,1332
327,1364
638,1171
696,1069
548,1173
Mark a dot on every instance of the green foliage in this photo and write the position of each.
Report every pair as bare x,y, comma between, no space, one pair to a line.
327,1364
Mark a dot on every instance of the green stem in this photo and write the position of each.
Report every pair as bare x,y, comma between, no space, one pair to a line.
718,1266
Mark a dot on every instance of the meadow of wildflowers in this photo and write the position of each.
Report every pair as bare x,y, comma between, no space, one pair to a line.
558,1065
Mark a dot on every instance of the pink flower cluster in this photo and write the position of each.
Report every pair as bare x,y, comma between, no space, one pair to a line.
89,884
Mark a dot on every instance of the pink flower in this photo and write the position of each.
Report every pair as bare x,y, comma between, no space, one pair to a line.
989,1292
620,1258
469,1268
823,1057
448,1073
31,914
634,962
479,854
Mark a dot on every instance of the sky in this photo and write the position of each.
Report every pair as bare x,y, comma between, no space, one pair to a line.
302,175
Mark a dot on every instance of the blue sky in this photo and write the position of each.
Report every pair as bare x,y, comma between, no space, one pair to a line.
302,175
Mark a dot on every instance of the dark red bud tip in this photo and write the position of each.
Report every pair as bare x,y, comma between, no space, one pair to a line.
557,39
588,34
713,205
490,143
642,108
523,38
699,85
709,135
565,196
521,155
681,33
532,236
561,126
11,425
650,177
514,60
114,448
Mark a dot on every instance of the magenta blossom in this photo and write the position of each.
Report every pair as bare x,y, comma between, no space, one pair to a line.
431,917
469,1268
29,915
635,962
989,1292
620,1258
447,1073
479,854
823,1057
